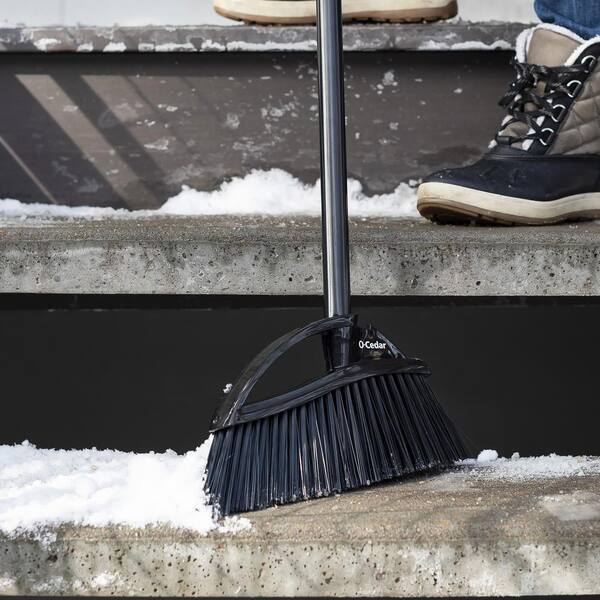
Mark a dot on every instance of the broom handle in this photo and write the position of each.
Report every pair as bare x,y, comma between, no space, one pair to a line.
334,193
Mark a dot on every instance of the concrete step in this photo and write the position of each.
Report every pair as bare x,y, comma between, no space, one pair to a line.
96,121
444,35
459,534
282,256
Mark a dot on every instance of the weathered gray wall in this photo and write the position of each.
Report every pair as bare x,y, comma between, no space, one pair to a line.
129,130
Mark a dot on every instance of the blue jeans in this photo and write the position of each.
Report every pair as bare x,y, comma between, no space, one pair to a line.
580,16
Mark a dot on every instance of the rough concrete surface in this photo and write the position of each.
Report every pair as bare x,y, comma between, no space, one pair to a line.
455,534
129,130
282,256
458,35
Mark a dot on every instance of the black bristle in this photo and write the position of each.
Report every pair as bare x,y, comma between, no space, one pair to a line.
362,433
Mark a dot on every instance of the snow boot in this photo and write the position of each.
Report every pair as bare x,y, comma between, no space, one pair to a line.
292,12
544,164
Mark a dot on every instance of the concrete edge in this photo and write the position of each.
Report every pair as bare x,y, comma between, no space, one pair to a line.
142,566
454,35
279,256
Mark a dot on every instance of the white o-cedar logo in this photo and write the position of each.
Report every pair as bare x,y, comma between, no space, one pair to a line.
371,345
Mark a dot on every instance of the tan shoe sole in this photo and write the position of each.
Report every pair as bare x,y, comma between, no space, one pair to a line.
448,203
294,12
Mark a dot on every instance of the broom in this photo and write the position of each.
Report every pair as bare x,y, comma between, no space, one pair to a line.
372,416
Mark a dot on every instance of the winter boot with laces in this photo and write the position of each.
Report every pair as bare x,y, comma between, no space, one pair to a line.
544,164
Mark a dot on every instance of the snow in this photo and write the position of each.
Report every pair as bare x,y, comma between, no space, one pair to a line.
161,145
470,45
488,465
44,44
46,488
41,489
276,192
175,47
273,192
487,456
270,46
115,47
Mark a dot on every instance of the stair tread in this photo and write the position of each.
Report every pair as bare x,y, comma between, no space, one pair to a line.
282,256
450,35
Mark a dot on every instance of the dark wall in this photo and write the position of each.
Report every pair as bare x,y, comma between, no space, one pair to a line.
515,378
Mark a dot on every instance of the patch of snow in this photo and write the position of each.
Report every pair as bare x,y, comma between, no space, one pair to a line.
86,47
487,456
471,45
270,46
175,47
115,47
232,121
574,506
161,145
45,44
389,79
14,209
276,192
273,192
228,388
211,45
489,466
44,488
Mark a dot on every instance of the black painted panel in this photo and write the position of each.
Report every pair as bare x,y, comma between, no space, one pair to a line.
515,378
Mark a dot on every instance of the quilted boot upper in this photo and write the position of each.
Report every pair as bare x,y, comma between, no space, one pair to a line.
553,105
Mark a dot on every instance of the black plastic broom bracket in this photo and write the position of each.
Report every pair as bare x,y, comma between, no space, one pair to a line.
366,346
241,389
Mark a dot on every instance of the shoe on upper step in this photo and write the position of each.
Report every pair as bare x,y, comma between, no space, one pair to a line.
544,163
292,12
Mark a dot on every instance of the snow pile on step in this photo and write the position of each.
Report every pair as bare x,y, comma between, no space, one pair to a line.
276,192
45,488
273,192
488,465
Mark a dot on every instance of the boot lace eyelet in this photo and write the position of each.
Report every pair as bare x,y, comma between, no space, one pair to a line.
546,141
590,61
558,118
577,87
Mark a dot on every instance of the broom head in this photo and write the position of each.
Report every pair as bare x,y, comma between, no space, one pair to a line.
371,418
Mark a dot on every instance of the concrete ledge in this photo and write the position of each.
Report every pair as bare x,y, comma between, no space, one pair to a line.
456,35
282,256
451,535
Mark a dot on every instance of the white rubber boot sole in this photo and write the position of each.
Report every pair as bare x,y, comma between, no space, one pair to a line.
452,203
291,12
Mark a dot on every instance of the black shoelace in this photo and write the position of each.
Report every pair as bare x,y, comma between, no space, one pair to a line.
540,91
